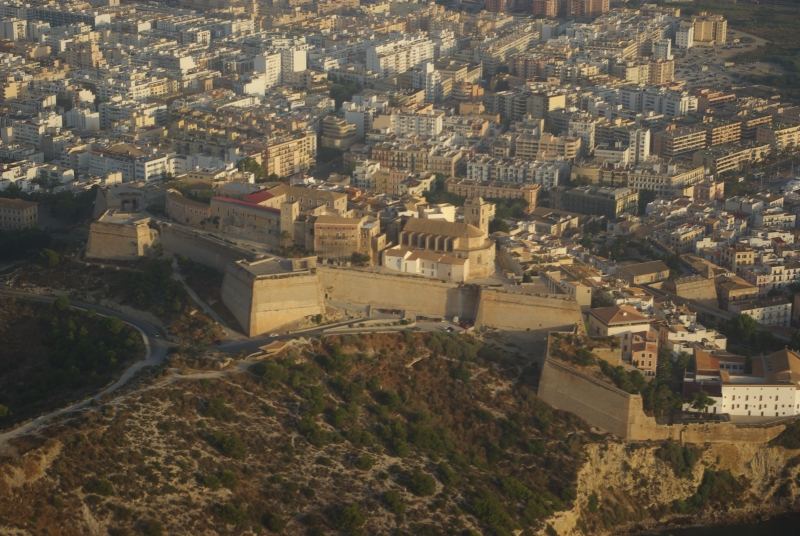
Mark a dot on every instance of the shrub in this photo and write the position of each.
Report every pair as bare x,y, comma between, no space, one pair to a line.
717,487
682,458
218,409
231,513
228,444
394,502
446,474
419,483
629,381
273,522
514,489
99,486
593,503
364,462
312,432
489,510
150,527
347,518
225,477
209,480
271,373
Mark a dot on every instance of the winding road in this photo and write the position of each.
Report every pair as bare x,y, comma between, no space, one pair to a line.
156,352
156,346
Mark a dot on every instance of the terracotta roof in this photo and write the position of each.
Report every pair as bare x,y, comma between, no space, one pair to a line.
245,204
783,366
442,228
705,362
618,315
643,268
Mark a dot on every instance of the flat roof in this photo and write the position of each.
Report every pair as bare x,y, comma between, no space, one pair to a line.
19,204
122,218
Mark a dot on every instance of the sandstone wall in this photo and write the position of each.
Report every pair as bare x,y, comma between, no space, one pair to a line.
701,290
604,406
118,242
280,301
599,404
269,302
200,248
237,295
521,312
415,295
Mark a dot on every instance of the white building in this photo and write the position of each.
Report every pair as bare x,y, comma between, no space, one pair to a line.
426,263
770,389
269,64
425,122
775,311
684,36
517,170
662,49
294,59
400,55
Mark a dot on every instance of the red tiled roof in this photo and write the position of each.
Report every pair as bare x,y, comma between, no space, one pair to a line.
246,204
258,197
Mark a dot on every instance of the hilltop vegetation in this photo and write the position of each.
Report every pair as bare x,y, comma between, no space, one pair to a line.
53,354
419,434
147,285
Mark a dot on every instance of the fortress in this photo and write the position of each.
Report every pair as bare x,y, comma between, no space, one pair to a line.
267,293
270,294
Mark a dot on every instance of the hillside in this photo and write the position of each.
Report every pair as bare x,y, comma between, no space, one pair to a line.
380,434
53,354
410,433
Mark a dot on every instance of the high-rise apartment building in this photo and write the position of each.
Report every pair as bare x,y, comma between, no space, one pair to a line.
545,8
710,29
399,56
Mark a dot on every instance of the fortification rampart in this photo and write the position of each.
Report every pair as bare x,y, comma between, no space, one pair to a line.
613,410
266,302
261,304
513,311
200,248
415,295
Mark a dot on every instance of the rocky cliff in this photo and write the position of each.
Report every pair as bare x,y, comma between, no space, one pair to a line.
626,488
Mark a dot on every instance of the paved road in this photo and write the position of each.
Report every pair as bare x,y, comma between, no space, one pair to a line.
156,351
254,343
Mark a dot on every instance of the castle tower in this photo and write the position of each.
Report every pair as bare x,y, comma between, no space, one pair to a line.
479,213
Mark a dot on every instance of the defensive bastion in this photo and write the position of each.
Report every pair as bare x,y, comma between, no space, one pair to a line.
604,406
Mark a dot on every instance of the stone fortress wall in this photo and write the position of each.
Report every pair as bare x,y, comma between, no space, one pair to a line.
604,406
267,302
415,295
201,248
119,242
262,303
513,311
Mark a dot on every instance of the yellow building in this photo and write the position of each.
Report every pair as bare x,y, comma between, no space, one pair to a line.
468,240
288,156
18,214
337,237
710,29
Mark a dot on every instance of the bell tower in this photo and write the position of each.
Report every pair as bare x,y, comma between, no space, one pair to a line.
479,213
